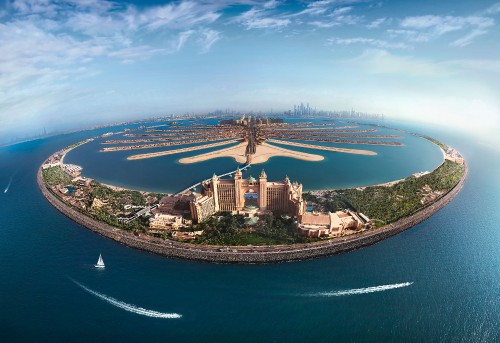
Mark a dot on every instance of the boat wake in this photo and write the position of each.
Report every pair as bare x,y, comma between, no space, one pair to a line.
128,307
355,291
8,186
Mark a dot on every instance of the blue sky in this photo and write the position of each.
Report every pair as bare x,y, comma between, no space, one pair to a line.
68,64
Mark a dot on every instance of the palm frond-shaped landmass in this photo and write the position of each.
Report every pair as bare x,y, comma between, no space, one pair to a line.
250,140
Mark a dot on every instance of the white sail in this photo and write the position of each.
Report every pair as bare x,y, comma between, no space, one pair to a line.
100,262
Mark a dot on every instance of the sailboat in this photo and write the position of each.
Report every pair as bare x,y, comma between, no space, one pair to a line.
100,262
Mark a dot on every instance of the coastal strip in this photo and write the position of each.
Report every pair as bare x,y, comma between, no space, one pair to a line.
159,145
178,151
327,148
317,138
251,254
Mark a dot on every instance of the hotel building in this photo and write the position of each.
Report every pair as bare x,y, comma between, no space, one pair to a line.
247,196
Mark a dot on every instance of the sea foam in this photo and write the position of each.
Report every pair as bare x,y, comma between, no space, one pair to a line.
128,307
8,186
355,291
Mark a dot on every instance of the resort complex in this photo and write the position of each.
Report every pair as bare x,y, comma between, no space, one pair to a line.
253,215
248,197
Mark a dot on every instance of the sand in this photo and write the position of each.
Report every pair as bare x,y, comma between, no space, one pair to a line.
263,153
178,151
328,148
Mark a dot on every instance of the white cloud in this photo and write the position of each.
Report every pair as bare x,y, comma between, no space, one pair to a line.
377,23
266,23
208,38
183,15
48,45
182,39
327,14
411,35
135,53
337,17
429,27
493,9
47,39
367,41
46,7
468,38
257,18
324,24
271,4
51,8
93,24
379,61
340,11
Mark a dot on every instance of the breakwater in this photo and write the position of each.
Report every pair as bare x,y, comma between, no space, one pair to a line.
250,254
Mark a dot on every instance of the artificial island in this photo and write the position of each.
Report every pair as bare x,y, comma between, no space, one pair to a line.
235,219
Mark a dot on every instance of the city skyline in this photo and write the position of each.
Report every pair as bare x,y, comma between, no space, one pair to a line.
71,64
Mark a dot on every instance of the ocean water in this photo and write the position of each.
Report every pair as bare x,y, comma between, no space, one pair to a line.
437,282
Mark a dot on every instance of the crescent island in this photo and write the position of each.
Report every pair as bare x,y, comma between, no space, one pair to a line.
251,220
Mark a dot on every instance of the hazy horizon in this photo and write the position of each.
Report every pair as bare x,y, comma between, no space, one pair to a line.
70,64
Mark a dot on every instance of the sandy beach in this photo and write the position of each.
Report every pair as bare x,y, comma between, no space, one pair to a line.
178,151
327,148
264,152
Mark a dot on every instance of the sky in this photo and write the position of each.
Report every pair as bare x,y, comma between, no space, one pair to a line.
67,64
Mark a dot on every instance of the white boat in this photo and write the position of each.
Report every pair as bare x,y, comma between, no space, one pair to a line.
100,262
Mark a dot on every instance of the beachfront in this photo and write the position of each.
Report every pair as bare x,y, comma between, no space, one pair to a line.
263,153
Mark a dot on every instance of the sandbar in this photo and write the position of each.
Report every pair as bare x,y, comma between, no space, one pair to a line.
263,153
322,147
178,151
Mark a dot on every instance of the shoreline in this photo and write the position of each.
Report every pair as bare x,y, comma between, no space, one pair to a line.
178,151
250,254
263,153
327,148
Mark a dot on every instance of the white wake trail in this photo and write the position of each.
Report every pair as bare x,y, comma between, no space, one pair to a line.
8,186
128,307
366,290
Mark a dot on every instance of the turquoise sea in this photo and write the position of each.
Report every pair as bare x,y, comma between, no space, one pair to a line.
437,282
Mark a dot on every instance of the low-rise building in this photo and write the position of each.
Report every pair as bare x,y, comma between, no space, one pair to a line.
72,169
82,181
168,222
97,203
419,174
316,225
169,215
186,236
453,155
202,207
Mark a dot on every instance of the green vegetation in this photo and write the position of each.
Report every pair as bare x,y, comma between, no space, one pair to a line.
227,229
388,204
119,198
435,141
113,201
55,175
72,146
